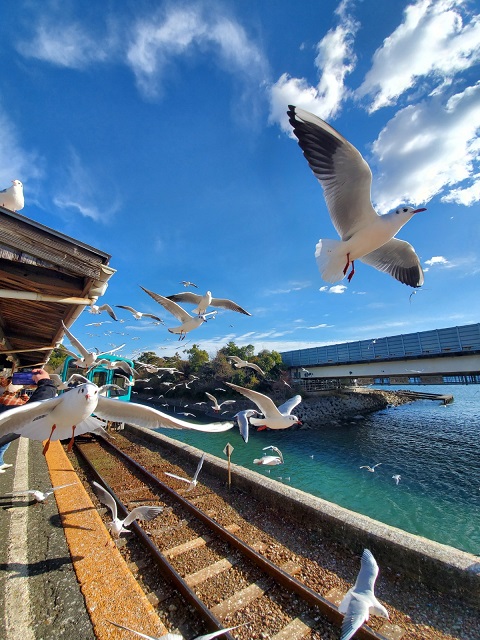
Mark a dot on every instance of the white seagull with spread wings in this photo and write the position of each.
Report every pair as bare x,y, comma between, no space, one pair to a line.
239,363
215,405
275,417
193,482
270,461
205,301
86,358
346,180
138,315
39,496
97,310
360,600
69,414
176,636
189,323
117,526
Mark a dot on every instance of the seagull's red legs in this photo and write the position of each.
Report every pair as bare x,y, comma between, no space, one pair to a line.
350,275
72,439
347,265
47,444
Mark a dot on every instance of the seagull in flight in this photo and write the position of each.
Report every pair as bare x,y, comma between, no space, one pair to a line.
205,301
176,636
371,469
86,359
360,600
239,363
70,414
117,526
187,283
40,496
138,315
242,421
346,179
270,461
275,417
12,197
97,310
189,323
193,482
397,477
215,405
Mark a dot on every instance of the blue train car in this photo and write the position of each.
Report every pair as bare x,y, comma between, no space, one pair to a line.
100,375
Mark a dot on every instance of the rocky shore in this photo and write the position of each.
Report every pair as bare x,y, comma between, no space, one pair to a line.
314,409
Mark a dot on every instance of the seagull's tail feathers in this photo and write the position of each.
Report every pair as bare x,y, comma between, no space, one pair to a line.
331,260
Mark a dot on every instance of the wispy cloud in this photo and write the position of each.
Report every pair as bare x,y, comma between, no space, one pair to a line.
337,288
157,40
68,45
85,193
436,40
292,286
335,59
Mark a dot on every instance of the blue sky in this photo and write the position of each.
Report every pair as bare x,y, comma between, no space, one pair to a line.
157,132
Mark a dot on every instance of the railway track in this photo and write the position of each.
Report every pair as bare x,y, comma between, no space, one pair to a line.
221,579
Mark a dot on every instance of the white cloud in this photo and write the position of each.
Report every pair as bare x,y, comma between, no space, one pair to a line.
428,149
85,193
15,162
437,260
335,59
434,42
66,45
337,288
157,40
292,286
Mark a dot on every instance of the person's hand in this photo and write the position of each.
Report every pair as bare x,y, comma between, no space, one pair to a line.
39,374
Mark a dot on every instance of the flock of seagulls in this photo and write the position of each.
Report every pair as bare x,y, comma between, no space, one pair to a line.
364,235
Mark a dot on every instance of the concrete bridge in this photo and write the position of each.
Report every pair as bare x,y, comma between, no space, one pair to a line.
440,356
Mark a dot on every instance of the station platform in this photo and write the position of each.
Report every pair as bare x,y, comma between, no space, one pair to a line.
61,575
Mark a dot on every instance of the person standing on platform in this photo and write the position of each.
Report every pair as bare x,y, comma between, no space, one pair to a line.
45,390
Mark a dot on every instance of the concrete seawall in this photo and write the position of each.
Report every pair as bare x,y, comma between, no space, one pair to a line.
442,567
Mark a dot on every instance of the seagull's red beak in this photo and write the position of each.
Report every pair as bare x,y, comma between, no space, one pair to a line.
419,210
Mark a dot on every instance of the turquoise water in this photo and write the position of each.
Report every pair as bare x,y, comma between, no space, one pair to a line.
434,448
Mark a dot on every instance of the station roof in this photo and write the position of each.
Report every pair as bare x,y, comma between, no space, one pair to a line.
45,277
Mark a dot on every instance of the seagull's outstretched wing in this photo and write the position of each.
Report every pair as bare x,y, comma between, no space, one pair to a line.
171,306
355,615
144,416
185,296
49,492
224,303
106,498
368,573
397,258
335,162
280,455
105,353
142,513
288,406
210,397
123,306
199,468
172,475
19,418
76,343
109,310
264,403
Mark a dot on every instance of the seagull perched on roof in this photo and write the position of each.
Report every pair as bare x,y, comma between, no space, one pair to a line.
97,310
86,358
189,323
70,414
117,526
12,197
346,180
138,315
275,417
194,481
360,600
239,363
205,301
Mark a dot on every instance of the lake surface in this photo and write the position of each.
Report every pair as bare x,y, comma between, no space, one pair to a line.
435,449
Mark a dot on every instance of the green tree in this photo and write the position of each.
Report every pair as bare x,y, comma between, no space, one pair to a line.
197,358
56,360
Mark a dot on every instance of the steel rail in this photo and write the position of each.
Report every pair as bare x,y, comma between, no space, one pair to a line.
282,577
166,569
